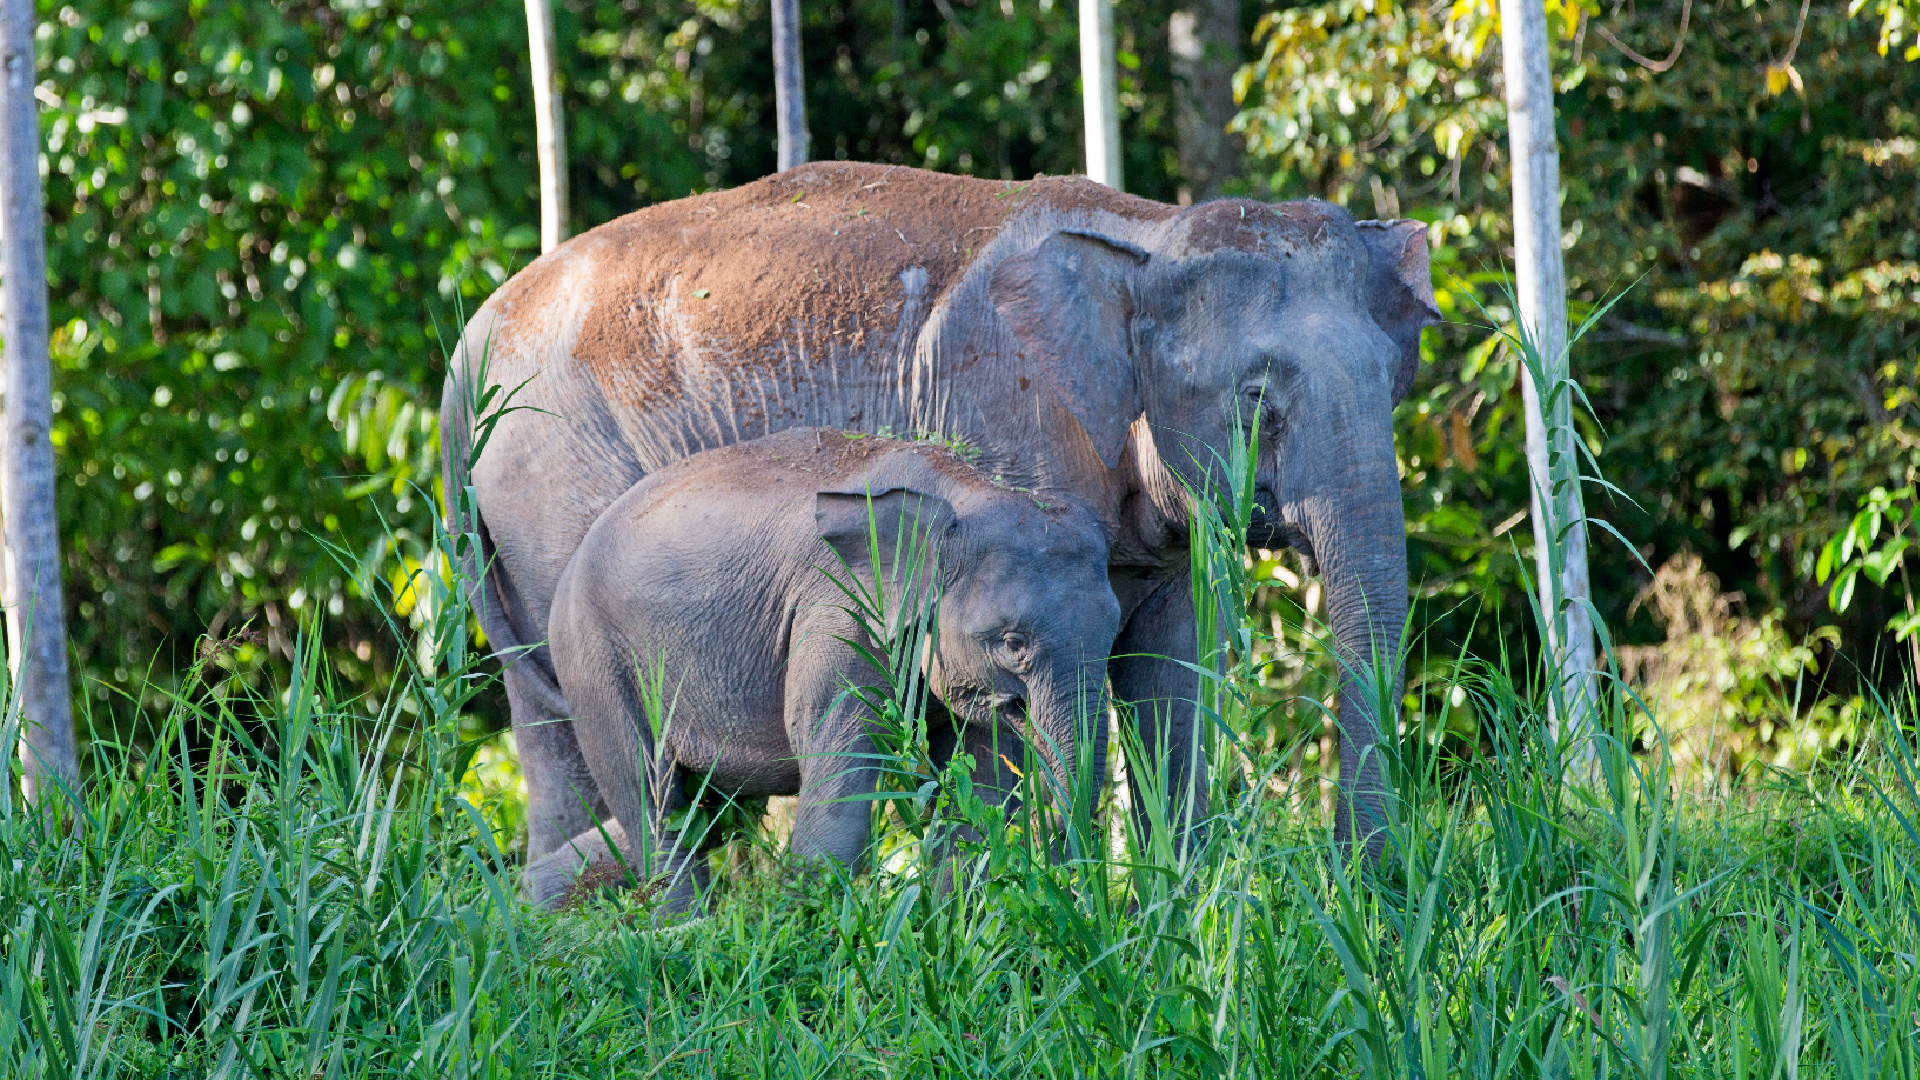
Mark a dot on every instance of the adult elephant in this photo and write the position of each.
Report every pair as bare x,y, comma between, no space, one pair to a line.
1083,340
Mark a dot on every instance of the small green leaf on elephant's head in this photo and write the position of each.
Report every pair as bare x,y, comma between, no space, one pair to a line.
702,294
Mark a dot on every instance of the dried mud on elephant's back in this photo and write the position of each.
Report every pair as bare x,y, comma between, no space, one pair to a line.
779,274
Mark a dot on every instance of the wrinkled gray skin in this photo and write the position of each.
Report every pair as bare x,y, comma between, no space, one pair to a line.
711,577
1090,343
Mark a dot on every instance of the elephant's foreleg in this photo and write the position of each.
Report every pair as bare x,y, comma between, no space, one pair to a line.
830,732
1149,680
834,818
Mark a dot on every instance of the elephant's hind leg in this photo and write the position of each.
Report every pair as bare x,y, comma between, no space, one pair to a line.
679,863
562,799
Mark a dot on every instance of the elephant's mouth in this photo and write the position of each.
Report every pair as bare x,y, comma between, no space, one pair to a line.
1008,709
985,707
1269,530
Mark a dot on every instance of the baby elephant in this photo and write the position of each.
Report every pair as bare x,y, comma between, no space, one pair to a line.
703,628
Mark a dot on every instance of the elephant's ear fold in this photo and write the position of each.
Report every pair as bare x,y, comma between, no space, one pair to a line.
1400,290
1069,302
899,526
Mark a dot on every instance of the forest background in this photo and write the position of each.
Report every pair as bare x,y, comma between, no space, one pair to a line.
265,216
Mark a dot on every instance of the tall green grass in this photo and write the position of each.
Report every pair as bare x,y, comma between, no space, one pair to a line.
297,893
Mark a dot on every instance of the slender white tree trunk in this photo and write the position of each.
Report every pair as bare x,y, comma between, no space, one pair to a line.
36,620
789,84
550,133
1100,92
1542,287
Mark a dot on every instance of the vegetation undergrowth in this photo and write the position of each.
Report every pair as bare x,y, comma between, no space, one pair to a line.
286,903
291,898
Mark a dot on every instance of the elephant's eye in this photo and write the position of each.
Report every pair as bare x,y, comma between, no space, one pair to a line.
1016,642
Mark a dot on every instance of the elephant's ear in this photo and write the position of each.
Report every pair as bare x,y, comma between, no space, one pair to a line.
902,525
1400,290
1069,302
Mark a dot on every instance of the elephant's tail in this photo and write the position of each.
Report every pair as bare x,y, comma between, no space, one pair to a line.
481,568
479,564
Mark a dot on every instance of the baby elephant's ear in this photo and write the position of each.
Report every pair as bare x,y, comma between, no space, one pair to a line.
898,525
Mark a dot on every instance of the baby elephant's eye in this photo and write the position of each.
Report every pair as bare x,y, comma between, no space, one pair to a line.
1016,642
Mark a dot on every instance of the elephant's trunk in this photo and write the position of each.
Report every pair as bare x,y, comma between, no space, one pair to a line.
1357,529
1068,716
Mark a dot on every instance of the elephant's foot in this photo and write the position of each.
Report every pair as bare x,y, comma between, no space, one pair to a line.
575,869
586,865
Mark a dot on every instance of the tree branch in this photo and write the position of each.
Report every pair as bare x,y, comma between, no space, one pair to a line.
1679,42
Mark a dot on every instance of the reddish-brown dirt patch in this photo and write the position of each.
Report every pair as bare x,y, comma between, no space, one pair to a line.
779,272
603,878
1259,228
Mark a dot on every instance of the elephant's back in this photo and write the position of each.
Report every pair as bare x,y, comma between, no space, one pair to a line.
764,282
711,525
745,513
765,484
682,566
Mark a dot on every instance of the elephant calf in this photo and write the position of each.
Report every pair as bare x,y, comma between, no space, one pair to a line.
699,630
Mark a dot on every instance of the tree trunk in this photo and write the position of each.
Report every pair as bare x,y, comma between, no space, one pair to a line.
1100,92
789,84
550,134
36,619
1559,525
1204,39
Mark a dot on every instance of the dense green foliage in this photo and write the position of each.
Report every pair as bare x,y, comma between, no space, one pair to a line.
1754,203
250,206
